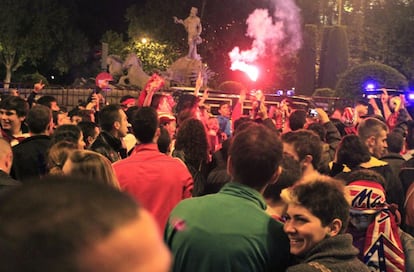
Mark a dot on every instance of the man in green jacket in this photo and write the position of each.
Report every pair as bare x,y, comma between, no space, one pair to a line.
230,231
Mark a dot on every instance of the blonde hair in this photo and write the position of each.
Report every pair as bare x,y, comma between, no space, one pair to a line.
93,166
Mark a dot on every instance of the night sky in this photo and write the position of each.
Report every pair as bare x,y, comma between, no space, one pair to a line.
97,16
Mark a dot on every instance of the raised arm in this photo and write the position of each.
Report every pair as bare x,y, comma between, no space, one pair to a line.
385,106
178,21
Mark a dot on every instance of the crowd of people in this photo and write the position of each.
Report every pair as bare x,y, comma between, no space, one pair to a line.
153,185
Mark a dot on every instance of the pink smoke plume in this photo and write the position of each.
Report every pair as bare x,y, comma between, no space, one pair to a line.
279,34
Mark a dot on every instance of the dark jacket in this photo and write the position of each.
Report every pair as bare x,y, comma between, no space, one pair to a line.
331,254
393,187
395,161
30,158
109,146
6,182
329,146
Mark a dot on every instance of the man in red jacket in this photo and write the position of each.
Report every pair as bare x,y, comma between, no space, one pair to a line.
155,180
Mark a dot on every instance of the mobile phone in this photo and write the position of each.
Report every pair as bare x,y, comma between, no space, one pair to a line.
313,113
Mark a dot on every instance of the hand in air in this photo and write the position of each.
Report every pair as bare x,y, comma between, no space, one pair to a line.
39,86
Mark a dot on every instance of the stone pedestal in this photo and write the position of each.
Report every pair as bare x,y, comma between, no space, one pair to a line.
184,71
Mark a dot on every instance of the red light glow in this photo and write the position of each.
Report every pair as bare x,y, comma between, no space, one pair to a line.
251,71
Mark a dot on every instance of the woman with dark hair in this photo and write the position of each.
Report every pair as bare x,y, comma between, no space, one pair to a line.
350,154
316,218
191,146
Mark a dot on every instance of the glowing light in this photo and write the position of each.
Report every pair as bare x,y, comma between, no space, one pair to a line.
278,33
410,96
251,71
370,87
144,40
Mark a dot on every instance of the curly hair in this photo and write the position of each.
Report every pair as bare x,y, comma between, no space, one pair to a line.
192,140
325,197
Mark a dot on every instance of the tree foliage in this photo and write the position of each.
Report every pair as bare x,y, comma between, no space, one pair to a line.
306,72
353,82
41,36
382,31
334,56
154,55
116,43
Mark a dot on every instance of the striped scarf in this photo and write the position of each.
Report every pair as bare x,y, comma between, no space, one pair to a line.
383,249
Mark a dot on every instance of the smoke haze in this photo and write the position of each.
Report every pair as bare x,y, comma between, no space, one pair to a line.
279,33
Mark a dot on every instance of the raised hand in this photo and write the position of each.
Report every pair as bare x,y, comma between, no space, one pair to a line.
39,86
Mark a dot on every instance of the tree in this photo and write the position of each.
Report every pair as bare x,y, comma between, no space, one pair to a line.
334,56
306,71
116,43
382,31
41,36
223,26
154,55
353,81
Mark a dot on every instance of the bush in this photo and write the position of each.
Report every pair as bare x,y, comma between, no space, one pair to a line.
325,92
352,83
31,79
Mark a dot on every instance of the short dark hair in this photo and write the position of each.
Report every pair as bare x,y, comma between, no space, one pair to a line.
305,142
15,103
297,119
144,124
74,112
38,119
323,196
395,142
88,129
256,153
319,129
46,100
67,132
371,127
291,173
108,116
125,98
164,140
224,102
352,151
241,124
47,224
216,179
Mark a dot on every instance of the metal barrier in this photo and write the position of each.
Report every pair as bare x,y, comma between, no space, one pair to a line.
71,97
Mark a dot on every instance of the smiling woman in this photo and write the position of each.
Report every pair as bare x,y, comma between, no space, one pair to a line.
316,217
